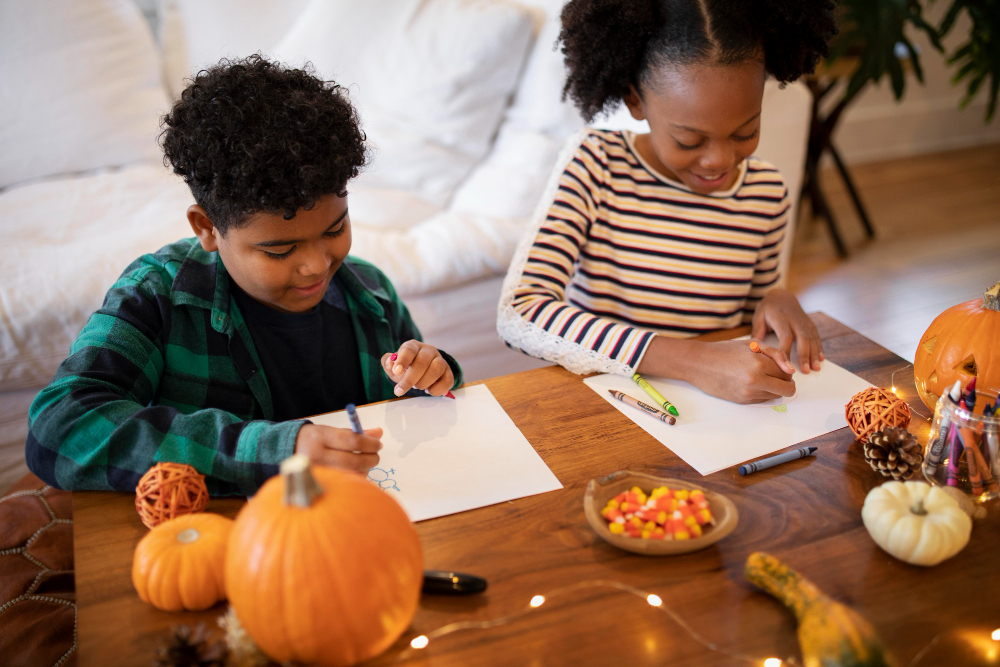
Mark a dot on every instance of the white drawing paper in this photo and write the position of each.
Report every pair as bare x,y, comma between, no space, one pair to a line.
443,456
712,434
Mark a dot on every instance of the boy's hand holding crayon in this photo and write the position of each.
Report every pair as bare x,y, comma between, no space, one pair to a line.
418,365
779,311
340,447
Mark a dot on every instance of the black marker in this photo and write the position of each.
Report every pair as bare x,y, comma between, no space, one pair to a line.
440,582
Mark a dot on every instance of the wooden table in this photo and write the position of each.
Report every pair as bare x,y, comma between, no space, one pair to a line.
806,513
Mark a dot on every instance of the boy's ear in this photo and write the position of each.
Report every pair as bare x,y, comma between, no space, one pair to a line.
203,228
634,103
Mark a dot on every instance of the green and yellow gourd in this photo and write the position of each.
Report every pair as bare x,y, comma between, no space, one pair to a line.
830,634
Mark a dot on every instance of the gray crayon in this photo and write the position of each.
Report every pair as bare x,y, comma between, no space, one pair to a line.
801,453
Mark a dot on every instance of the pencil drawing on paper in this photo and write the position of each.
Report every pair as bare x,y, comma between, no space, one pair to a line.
383,478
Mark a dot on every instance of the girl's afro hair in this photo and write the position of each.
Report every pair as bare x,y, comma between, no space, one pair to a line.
610,45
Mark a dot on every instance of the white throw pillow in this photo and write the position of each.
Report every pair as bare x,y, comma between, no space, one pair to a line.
195,34
80,87
431,79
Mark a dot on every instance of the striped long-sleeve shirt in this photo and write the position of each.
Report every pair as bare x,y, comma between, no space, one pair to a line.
623,253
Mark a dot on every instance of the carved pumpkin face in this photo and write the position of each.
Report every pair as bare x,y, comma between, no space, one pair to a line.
961,343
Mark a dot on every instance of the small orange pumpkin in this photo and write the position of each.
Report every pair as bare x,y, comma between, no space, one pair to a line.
323,567
961,343
180,563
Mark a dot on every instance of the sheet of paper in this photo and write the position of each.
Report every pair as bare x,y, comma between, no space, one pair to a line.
712,434
442,456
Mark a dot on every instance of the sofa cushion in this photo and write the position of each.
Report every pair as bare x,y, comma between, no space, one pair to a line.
431,80
82,87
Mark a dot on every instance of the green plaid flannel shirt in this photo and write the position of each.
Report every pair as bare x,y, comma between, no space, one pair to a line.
166,370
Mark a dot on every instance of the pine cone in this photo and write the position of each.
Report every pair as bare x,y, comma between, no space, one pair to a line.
894,452
191,648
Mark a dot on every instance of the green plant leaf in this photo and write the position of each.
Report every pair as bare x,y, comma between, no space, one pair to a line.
979,57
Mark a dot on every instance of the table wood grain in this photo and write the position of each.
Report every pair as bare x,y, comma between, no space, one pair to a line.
806,512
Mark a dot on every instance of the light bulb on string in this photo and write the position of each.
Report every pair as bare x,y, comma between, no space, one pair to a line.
652,599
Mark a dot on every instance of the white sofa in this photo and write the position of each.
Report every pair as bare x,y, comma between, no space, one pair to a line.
460,99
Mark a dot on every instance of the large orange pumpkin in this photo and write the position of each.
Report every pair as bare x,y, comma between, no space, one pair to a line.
961,343
179,564
323,567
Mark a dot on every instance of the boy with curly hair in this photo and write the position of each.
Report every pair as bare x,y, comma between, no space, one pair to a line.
213,349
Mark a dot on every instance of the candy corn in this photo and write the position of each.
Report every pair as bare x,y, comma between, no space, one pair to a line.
662,514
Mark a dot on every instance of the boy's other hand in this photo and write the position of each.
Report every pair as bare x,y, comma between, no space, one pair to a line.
419,365
779,311
340,447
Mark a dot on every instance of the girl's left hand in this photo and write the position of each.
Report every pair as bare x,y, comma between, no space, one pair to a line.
419,365
780,312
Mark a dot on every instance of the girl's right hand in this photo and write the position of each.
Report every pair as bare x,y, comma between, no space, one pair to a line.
727,369
340,447
736,373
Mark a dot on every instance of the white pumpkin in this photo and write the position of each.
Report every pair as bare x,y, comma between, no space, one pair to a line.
916,522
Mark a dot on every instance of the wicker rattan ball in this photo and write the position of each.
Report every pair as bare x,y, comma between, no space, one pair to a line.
874,409
169,490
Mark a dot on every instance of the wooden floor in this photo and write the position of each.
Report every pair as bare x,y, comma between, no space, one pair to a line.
937,222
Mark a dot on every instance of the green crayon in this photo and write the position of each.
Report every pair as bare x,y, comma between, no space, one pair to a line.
655,395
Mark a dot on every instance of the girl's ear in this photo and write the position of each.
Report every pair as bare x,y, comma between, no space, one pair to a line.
203,228
634,103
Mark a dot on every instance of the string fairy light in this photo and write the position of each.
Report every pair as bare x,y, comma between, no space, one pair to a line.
421,642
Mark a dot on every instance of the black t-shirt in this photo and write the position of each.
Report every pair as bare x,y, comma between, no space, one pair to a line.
310,359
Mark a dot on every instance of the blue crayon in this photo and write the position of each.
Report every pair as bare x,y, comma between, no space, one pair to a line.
970,395
801,453
352,414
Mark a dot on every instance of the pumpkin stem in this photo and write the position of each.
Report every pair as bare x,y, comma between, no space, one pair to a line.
991,298
301,488
918,508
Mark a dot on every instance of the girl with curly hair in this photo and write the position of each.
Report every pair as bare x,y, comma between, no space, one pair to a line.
651,239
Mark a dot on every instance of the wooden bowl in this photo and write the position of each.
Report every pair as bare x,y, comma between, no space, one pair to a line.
600,491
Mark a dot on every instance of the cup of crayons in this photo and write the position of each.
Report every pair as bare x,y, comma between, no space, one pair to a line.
963,446
656,516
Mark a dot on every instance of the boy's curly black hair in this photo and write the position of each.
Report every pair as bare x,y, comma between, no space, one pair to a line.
612,44
251,135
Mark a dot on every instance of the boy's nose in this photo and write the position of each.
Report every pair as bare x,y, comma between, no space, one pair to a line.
314,262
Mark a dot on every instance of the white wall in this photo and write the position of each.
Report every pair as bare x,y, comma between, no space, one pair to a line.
876,127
